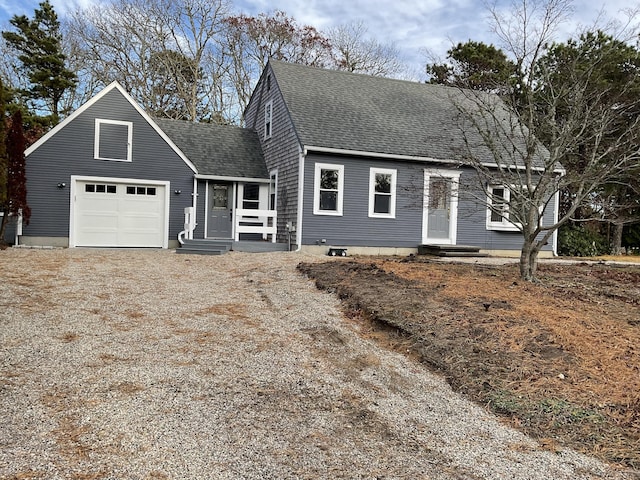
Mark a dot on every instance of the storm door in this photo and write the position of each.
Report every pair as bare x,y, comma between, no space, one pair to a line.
219,220
440,207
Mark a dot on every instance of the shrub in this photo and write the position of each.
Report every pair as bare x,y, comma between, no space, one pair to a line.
577,241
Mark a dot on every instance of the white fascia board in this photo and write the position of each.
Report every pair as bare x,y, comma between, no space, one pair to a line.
95,99
339,151
232,179
390,156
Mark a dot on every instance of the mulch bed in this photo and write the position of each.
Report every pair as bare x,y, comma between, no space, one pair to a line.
559,360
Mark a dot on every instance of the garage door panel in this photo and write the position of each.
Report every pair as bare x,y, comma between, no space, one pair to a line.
113,214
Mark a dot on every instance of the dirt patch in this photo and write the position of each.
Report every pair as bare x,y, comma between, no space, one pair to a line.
560,360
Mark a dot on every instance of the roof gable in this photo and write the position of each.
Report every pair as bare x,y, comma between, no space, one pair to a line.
97,98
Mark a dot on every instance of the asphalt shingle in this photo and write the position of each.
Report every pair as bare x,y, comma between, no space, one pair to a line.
219,150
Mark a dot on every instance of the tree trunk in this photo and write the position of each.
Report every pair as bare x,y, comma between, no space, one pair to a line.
529,261
616,241
3,224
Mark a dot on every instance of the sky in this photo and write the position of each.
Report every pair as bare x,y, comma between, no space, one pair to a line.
413,26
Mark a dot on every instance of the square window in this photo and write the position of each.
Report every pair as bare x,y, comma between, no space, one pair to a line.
328,189
151,190
131,190
141,190
113,140
101,188
382,192
111,189
90,188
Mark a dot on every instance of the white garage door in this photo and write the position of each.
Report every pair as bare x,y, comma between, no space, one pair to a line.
114,214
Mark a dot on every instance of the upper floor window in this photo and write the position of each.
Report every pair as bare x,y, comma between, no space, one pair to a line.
268,119
113,140
328,189
382,192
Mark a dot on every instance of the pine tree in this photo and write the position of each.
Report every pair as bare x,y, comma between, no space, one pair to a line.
39,43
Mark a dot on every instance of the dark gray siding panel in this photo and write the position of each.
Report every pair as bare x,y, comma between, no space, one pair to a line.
355,227
281,151
201,209
70,152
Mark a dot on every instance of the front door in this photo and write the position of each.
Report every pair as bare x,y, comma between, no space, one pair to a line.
440,207
219,220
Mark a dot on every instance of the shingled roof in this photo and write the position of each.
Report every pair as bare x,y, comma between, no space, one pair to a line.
345,111
217,150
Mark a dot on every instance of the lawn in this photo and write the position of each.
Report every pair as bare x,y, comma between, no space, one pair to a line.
559,360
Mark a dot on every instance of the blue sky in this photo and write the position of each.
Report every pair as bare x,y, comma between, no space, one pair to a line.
412,25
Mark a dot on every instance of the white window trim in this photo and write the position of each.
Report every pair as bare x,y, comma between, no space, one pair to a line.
273,184
454,177
316,189
372,192
504,224
268,119
96,146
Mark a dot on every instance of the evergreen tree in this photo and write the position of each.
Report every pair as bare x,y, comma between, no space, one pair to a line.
38,42
4,164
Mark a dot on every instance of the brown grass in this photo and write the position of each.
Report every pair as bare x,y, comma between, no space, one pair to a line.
560,360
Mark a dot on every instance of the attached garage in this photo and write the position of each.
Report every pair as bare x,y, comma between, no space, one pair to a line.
113,212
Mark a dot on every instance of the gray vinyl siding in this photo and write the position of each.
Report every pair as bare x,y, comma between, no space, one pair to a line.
355,228
71,152
281,151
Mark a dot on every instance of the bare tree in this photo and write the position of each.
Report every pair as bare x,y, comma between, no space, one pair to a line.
136,41
522,176
253,41
355,52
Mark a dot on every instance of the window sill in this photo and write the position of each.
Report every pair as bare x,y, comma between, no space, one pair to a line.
508,227
327,213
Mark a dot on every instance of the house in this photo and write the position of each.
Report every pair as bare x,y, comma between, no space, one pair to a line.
326,158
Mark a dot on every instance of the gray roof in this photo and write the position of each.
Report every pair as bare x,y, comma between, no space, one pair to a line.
341,110
219,150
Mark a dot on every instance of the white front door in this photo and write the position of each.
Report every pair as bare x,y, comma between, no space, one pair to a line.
111,212
440,207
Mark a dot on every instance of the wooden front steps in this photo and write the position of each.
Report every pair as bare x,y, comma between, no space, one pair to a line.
450,251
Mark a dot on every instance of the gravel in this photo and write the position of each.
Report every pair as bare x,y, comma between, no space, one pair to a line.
144,364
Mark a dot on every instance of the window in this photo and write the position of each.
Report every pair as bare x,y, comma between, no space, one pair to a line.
99,188
139,190
273,189
113,140
268,119
382,193
251,196
505,208
328,189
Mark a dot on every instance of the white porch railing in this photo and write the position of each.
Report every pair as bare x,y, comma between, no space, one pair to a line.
263,222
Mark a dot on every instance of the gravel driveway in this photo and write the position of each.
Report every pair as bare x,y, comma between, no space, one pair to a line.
136,364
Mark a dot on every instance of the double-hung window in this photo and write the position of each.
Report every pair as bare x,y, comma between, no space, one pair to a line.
505,208
268,119
113,140
382,192
328,189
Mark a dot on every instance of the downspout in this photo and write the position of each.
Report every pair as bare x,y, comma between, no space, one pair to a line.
302,155
189,227
556,200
